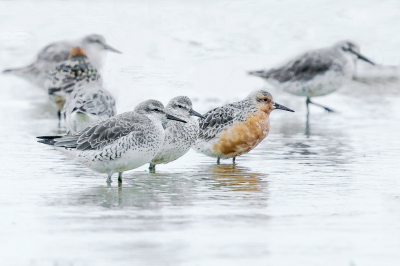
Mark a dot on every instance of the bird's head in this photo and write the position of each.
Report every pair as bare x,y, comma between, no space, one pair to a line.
182,105
351,49
264,101
155,109
97,41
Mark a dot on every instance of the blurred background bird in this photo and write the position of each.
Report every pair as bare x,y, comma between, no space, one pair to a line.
68,75
317,72
87,105
54,53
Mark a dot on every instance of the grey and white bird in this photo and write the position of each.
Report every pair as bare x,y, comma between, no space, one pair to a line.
120,143
236,128
179,137
55,53
87,105
73,73
317,72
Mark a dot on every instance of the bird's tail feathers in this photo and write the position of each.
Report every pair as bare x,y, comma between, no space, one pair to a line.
69,141
22,71
259,73
49,140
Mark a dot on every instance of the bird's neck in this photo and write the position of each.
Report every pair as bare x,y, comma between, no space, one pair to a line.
95,55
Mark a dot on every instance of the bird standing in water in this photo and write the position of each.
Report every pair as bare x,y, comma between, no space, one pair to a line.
236,128
55,53
120,143
179,137
316,73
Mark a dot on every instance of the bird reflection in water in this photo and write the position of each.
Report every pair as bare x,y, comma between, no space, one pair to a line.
155,191
237,178
307,131
143,191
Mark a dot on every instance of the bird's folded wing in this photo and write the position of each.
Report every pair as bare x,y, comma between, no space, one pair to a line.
217,120
105,132
96,101
55,52
305,67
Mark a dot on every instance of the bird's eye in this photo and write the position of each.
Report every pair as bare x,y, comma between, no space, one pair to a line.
157,110
181,106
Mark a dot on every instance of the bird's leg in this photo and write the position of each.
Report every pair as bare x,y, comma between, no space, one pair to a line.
152,168
326,108
120,178
109,181
59,118
308,109
218,160
233,159
308,126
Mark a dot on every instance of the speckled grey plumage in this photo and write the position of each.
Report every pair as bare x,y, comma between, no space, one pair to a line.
87,105
221,118
67,76
109,132
179,137
118,144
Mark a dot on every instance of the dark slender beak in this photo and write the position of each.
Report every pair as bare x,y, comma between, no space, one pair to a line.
278,106
360,56
193,112
109,48
171,117
260,73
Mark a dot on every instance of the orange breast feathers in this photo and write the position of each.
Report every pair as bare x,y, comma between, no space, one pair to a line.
77,52
242,137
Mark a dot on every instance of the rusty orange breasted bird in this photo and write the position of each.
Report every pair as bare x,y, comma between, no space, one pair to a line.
236,128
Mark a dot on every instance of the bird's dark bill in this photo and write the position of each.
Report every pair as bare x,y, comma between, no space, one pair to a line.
194,113
278,106
360,56
171,117
109,48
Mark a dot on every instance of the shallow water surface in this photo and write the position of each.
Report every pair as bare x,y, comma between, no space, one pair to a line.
322,191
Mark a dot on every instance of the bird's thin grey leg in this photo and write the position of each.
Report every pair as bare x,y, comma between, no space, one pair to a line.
120,178
109,181
218,160
326,108
233,159
307,126
152,168
59,118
